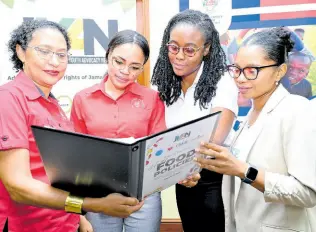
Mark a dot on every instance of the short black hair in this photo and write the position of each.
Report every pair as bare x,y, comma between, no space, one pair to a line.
276,42
168,83
125,37
23,34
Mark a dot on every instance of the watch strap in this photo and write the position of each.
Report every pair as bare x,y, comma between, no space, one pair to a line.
246,180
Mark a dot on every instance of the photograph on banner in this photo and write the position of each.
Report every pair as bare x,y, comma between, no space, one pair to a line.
90,27
300,78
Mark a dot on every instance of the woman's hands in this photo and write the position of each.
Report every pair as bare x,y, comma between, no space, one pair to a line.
219,159
191,181
115,205
85,225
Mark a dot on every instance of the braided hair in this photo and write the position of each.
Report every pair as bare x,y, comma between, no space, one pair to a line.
168,83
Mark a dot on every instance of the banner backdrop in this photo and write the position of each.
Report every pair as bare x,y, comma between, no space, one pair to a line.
235,20
90,24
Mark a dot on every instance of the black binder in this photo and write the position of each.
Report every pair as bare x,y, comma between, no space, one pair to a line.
91,166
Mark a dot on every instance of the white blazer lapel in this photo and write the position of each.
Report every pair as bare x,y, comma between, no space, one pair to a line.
242,152
251,136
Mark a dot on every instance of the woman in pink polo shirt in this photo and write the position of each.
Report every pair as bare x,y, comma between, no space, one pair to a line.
39,51
118,107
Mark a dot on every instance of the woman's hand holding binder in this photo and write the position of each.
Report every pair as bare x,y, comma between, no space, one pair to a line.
191,181
114,204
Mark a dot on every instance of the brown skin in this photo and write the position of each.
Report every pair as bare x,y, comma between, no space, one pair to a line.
35,66
186,67
260,91
298,68
133,56
85,225
20,184
185,35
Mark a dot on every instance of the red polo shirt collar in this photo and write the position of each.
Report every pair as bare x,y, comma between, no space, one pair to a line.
29,88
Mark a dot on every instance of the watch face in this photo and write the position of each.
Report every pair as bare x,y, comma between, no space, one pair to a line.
252,173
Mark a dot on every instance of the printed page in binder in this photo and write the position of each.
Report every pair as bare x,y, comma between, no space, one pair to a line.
169,157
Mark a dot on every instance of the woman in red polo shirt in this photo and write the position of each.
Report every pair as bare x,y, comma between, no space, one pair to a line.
39,51
118,107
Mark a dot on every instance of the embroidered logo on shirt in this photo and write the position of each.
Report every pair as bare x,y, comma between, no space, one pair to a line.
138,103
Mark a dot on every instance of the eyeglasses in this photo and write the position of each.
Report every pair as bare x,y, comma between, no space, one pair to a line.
47,54
133,69
250,73
188,51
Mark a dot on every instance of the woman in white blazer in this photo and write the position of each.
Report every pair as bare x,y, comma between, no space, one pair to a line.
270,167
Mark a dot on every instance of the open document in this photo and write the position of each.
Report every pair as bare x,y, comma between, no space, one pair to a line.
91,166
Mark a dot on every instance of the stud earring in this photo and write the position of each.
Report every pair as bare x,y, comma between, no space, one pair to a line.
277,83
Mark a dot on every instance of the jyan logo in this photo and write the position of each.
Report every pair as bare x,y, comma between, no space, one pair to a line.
182,136
91,33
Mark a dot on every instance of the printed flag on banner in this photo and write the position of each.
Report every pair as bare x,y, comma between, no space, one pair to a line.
269,13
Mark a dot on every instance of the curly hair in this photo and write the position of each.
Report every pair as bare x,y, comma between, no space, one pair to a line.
168,83
23,34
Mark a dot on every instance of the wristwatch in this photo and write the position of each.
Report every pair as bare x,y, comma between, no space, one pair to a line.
250,174
73,204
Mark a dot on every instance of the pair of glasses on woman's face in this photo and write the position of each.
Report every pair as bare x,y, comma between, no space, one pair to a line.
250,73
189,51
120,64
47,54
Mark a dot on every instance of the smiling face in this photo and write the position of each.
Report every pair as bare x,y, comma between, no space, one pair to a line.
131,58
184,35
44,72
298,68
254,56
